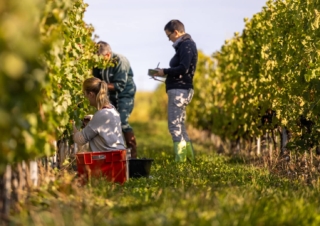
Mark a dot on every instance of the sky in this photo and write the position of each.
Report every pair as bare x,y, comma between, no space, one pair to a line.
135,28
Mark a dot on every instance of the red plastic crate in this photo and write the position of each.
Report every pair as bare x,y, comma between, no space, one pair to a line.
108,164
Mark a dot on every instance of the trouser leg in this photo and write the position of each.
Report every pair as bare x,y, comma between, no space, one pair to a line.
183,125
178,99
125,107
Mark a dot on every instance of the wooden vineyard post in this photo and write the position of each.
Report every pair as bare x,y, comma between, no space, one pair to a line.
5,188
284,140
34,172
61,153
259,145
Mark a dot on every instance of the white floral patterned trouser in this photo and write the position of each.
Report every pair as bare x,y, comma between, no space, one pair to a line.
178,99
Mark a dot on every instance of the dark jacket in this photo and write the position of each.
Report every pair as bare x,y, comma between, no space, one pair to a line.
182,65
120,75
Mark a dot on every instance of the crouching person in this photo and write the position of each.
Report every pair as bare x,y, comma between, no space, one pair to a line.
103,131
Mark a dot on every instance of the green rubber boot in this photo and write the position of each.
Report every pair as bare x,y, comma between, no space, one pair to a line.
190,152
180,151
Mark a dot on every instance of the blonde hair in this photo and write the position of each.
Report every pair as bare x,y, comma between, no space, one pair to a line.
99,88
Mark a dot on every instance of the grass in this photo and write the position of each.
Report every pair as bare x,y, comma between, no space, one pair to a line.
212,191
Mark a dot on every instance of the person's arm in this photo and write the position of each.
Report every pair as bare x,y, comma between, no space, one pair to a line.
96,72
83,136
186,54
120,78
77,136
110,86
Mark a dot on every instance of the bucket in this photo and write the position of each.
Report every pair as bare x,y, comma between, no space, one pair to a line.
139,167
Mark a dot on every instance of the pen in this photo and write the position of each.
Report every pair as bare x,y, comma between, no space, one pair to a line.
158,65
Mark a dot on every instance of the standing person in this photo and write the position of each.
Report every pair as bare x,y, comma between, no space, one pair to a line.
103,131
179,87
121,88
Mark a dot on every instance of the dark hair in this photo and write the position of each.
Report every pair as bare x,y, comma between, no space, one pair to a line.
173,25
98,87
104,48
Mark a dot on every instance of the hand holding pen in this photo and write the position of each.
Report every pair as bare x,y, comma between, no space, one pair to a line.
160,71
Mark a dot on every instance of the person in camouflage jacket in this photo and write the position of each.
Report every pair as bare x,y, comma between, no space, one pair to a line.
121,88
